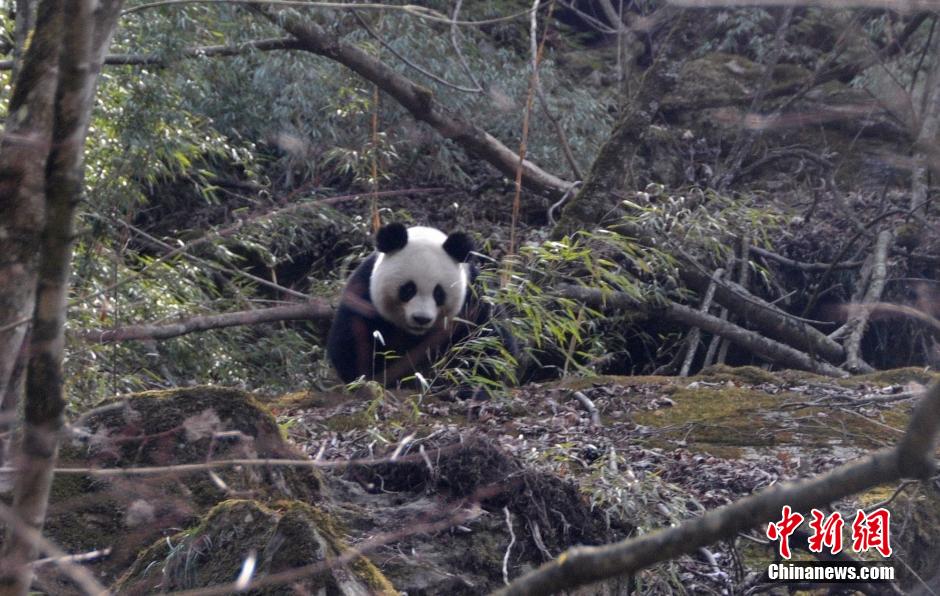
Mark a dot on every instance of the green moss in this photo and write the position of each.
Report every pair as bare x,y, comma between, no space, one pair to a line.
308,399
242,408
799,377
480,552
375,579
210,553
332,529
326,524
715,77
162,428
78,523
67,486
895,376
716,416
704,404
750,375
179,426
878,494
723,410
581,383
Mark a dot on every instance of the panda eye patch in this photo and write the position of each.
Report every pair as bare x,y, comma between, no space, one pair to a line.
407,291
439,295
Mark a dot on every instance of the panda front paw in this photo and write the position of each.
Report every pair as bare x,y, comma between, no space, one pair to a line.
464,393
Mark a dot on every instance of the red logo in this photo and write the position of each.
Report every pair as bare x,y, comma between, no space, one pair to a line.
826,532
870,530
781,530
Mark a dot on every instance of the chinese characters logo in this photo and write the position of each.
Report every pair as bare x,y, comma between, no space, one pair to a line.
869,531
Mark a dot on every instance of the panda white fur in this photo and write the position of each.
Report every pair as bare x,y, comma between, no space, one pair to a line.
415,292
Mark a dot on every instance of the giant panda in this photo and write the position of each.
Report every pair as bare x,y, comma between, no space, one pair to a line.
407,302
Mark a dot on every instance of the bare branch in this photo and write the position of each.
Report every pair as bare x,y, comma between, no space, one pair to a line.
261,45
81,576
418,100
420,12
411,64
858,321
512,541
801,265
454,31
589,406
315,310
886,308
185,469
770,319
692,340
903,6
77,558
769,349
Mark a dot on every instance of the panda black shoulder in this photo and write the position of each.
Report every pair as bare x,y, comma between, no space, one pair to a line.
355,319
358,283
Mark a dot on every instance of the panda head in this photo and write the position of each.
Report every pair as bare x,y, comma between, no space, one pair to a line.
419,280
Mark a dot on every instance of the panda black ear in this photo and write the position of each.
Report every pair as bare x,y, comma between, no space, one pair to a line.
459,246
392,237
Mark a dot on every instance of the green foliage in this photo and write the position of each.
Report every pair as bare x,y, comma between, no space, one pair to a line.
745,31
6,85
700,226
163,134
905,72
115,286
316,115
143,136
553,330
295,125
752,32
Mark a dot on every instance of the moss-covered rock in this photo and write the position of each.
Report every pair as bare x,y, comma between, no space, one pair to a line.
716,78
294,544
193,425
123,512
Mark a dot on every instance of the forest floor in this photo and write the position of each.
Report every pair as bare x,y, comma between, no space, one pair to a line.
643,452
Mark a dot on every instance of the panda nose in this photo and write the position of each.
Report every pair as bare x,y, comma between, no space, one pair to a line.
421,319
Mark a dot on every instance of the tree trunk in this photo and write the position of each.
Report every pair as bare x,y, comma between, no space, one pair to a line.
858,322
24,149
695,335
925,145
766,317
598,200
83,28
25,20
